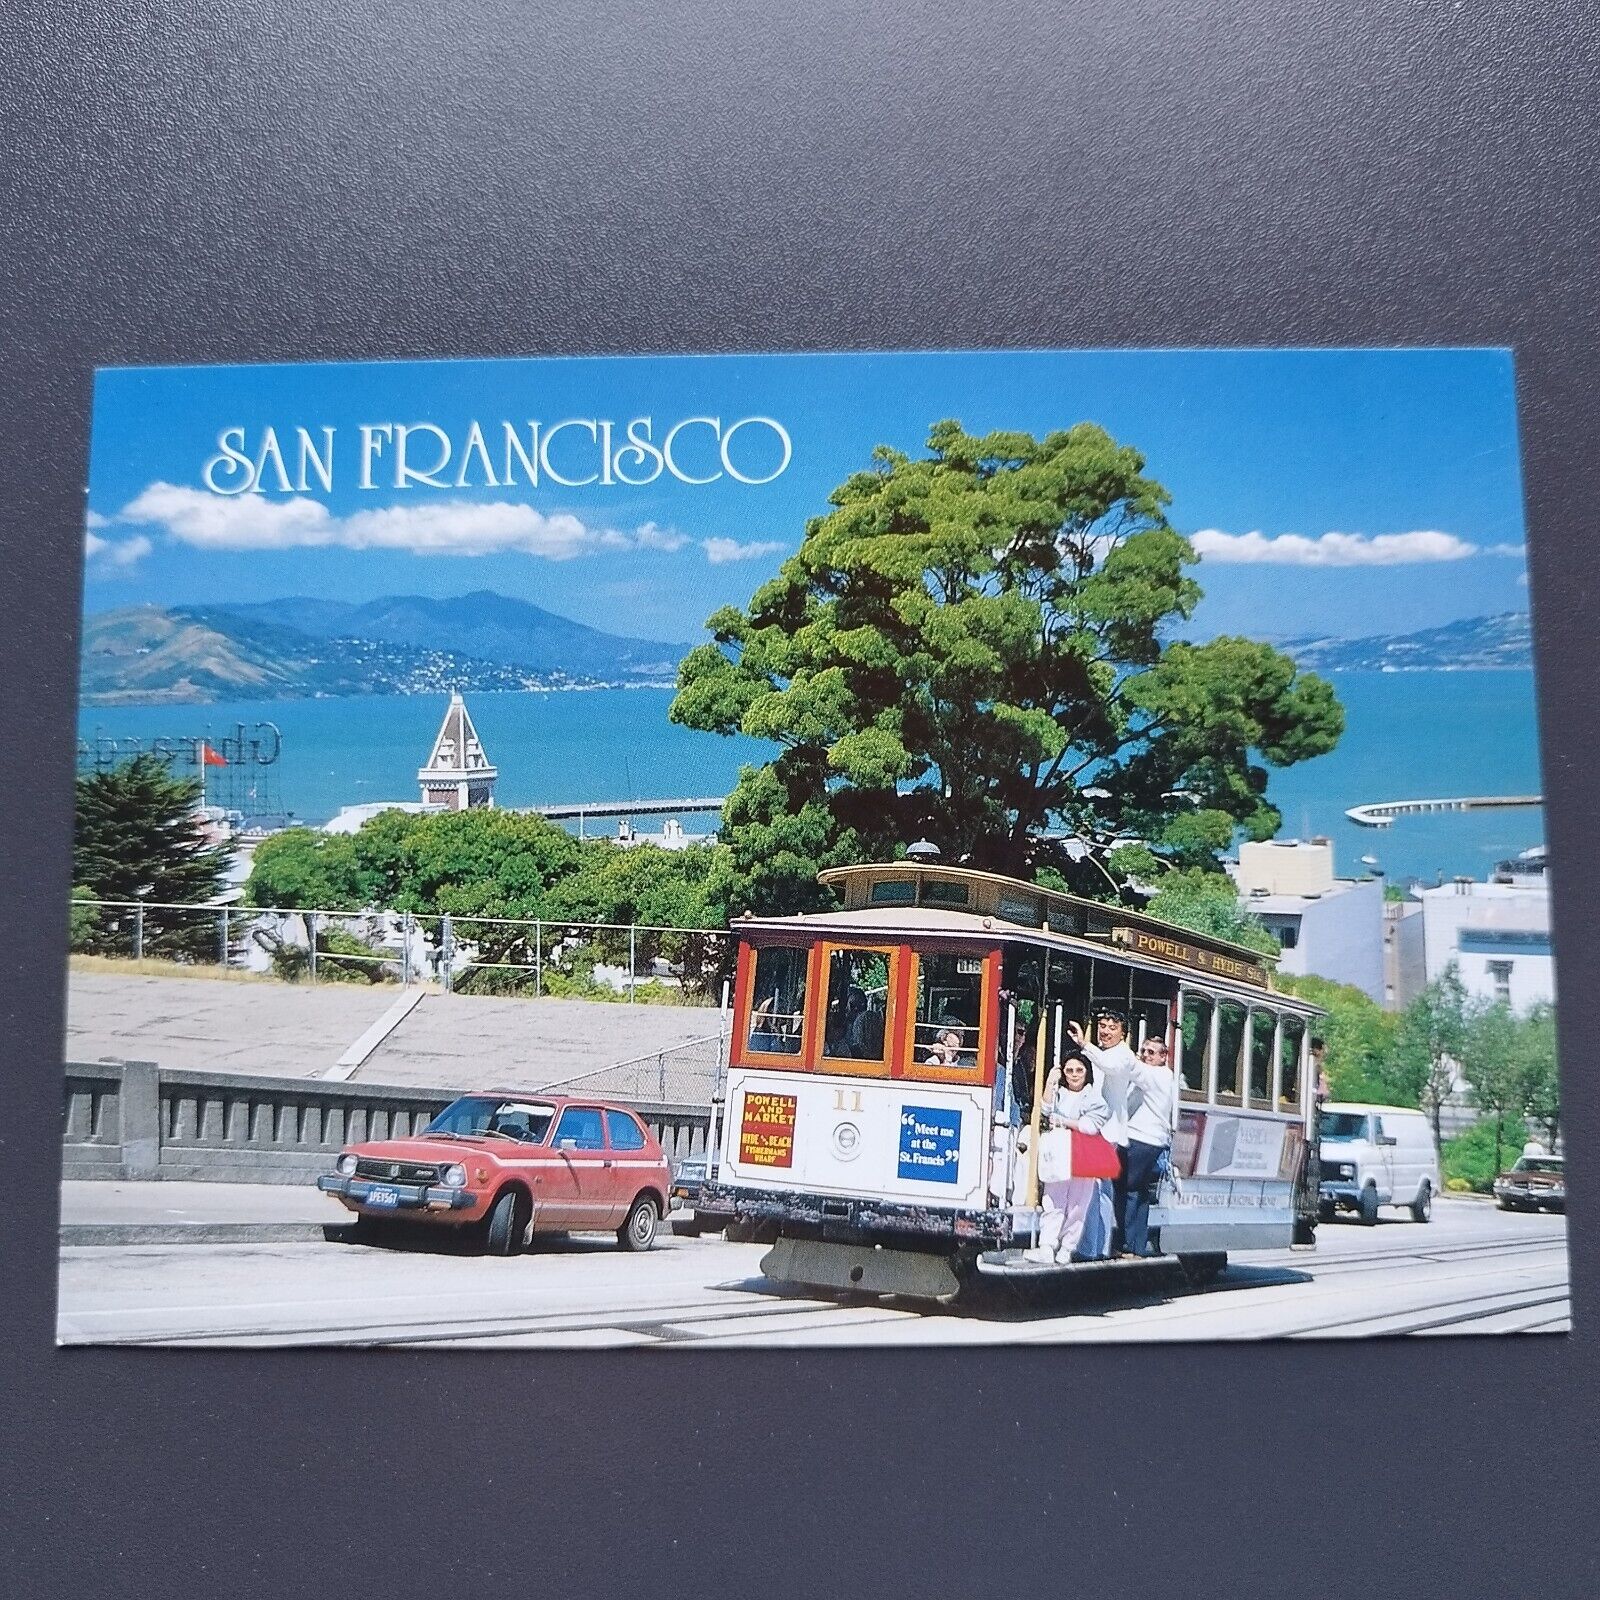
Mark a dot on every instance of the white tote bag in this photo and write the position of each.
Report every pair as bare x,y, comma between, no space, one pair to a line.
1055,1155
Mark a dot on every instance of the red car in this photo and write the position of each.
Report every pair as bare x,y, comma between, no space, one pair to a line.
511,1164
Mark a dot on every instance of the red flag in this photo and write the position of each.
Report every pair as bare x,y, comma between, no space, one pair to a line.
209,757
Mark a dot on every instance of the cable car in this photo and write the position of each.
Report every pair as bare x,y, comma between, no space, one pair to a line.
870,1126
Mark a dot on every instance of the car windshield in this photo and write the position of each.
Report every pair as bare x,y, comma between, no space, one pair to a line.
1534,1164
490,1116
1344,1125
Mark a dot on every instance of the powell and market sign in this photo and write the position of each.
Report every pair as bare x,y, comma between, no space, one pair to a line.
574,453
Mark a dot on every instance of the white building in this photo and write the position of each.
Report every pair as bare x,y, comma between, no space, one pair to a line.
1405,970
1497,933
351,819
1331,927
670,836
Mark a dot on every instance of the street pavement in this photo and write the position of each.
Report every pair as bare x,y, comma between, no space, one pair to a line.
1473,1269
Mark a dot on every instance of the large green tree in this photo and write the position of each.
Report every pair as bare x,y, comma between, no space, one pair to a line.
975,646
136,837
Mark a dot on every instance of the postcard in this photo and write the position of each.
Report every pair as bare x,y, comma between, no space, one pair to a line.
975,847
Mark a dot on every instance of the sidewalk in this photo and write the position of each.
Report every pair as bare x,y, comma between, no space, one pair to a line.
196,1213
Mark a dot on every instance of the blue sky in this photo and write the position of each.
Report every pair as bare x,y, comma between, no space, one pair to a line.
1343,492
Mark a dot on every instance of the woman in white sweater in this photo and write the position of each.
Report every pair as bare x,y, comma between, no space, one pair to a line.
1071,1100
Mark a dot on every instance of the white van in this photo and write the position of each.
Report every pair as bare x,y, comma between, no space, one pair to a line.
1376,1156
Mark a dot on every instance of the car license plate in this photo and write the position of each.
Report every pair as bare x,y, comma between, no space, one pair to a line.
383,1197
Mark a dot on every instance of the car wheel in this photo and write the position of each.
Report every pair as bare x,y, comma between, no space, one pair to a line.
1369,1205
1325,1211
502,1233
740,1230
1422,1206
639,1231
688,1227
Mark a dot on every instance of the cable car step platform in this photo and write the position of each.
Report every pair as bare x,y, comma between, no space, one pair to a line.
1016,1264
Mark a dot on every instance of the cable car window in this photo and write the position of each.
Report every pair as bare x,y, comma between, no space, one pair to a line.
1196,1045
949,1011
1289,1064
1263,1036
858,1003
1231,1020
777,1000
893,892
943,892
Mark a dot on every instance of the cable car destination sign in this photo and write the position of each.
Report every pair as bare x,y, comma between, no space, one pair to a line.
1215,963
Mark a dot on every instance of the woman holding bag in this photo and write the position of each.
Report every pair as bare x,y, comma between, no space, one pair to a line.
1072,1104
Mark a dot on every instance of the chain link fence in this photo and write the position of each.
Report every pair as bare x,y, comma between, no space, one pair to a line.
691,1073
473,955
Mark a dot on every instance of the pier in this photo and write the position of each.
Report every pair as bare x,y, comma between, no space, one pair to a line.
577,810
1381,813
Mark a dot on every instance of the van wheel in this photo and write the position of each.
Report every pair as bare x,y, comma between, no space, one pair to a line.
1422,1206
1369,1205
639,1231
502,1233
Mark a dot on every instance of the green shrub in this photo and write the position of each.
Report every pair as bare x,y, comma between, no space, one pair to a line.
1470,1156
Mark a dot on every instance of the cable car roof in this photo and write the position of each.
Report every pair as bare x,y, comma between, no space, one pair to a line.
906,899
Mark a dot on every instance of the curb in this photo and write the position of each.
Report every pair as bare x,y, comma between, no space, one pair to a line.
115,1233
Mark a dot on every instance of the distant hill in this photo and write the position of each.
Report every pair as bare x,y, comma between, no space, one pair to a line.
195,654
1504,640
485,625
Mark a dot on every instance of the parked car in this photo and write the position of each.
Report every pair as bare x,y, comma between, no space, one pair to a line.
1535,1183
1375,1156
510,1165
685,1195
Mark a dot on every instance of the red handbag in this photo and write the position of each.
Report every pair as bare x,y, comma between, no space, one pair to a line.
1094,1156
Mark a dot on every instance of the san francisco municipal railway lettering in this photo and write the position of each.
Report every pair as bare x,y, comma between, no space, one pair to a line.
1144,943
766,1133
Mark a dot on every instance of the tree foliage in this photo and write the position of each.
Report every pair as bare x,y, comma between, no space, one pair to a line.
1360,1035
492,871
1430,1041
973,647
1478,1154
136,837
1208,902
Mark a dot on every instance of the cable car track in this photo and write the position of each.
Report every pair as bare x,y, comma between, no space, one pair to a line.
689,1313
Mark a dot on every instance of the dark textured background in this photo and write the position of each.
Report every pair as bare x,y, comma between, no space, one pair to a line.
198,182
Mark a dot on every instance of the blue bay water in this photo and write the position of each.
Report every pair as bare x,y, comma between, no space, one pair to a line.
1408,736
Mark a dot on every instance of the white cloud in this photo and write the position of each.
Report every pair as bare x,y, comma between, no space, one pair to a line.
719,551
447,527
1332,549
93,519
113,552
648,536
1506,550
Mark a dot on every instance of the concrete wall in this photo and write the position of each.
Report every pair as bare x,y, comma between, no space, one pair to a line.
127,1120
